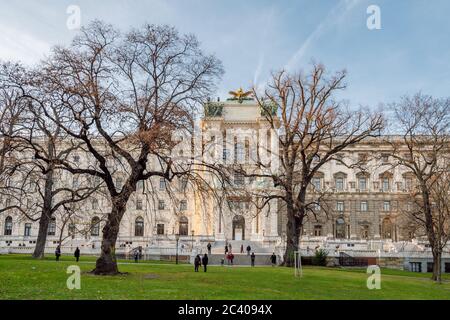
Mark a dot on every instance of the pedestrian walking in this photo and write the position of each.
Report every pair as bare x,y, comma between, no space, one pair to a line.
273,259
77,254
248,250
242,248
226,249
231,258
58,252
136,256
209,248
197,263
252,258
229,247
205,262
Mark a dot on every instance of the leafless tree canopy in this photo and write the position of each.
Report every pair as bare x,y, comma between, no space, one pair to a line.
423,123
312,127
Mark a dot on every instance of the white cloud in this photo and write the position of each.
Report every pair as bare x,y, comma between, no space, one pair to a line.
335,17
19,45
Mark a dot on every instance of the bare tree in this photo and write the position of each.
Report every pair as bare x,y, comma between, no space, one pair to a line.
311,128
423,148
122,97
34,187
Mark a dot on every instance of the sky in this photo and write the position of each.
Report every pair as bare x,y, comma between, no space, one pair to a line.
410,53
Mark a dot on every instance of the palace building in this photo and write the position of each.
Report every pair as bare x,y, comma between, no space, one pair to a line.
362,205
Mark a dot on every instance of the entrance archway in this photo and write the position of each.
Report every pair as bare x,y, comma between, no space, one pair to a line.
340,228
238,228
386,228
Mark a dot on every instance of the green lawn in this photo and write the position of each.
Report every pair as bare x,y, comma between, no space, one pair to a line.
24,278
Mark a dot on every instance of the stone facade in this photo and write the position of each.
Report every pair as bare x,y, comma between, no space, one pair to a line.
361,204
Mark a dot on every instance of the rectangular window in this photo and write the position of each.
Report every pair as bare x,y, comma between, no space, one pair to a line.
71,230
317,231
238,152
363,206
408,184
430,266
316,183
239,179
140,185
161,205
385,184
340,183
51,231
386,206
94,204
138,204
27,231
415,266
162,184
119,183
385,158
183,184
160,229
225,155
447,267
362,184
340,206
183,205
75,183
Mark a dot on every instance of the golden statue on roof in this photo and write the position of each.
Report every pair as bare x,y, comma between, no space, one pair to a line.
240,95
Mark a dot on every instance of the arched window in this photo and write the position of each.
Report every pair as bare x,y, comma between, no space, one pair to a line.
95,226
139,227
8,226
340,228
51,231
184,226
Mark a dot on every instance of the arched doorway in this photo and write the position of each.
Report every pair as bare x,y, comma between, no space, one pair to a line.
238,228
340,228
386,228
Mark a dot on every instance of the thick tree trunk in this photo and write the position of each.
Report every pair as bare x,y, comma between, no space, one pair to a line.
437,258
106,264
46,215
38,252
293,228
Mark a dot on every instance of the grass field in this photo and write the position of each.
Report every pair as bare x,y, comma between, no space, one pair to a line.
24,278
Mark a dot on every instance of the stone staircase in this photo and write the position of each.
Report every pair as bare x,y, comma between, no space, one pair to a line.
262,254
218,247
241,259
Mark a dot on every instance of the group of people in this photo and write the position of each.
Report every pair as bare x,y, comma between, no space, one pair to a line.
201,261
76,254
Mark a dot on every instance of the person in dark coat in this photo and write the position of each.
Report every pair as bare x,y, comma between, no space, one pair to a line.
252,258
273,259
242,248
136,256
77,254
197,263
58,252
248,250
226,249
209,248
231,258
205,261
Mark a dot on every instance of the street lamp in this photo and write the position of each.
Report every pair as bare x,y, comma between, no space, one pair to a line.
177,237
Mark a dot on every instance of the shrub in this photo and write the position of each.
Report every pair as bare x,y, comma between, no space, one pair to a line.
320,257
